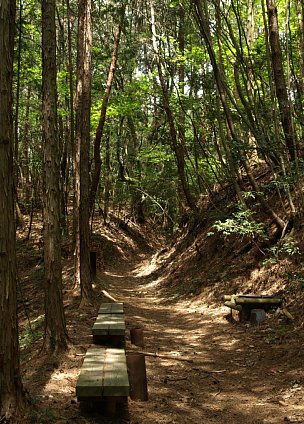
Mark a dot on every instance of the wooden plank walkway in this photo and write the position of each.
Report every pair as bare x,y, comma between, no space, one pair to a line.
103,374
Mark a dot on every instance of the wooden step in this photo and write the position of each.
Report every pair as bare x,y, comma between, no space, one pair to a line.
103,374
111,308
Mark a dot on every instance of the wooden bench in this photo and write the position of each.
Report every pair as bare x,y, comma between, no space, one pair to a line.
109,329
245,303
103,377
111,308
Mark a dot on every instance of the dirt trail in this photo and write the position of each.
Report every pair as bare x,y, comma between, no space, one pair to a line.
236,373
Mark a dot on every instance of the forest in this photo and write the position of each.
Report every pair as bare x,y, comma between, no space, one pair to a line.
162,141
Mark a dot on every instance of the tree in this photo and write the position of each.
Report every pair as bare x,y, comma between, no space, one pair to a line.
82,143
55,328
103,111
279,79
177,142
12,398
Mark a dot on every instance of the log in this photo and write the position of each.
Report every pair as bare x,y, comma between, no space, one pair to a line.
241,300
227,297
106,294
232,305
166,357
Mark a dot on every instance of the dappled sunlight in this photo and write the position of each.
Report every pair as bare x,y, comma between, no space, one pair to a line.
202,364
198,363
113,274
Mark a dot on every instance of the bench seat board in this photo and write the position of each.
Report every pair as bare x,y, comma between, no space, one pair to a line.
109,324
103,374
111,308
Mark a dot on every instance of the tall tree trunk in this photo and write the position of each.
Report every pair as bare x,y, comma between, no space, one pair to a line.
27,190
82,143
19,217
55,329
12,400
177,144
279,79
103,111
300,12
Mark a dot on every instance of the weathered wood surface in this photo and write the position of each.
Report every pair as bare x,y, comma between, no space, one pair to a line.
109,324
233,306
103,374
243,299
111,308
258,301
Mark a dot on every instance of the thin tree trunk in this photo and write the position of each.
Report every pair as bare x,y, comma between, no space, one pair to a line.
177,144
19,217
137,202
103,111
107,179
12,400
300,12
26,183
55,328
279,79
204,29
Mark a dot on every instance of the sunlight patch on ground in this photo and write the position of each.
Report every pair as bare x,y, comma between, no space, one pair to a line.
61,382
112,274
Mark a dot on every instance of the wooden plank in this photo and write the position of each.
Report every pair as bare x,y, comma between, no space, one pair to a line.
103,374
109,324
116,381
90,380
111,308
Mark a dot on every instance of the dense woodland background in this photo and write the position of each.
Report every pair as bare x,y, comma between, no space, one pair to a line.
163,113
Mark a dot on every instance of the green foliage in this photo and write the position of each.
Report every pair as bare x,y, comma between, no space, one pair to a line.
49,415
276,335
155,154
296,280
285,247
241,222
31,333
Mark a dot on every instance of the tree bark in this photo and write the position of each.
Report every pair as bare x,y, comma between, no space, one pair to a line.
82,144
279,79
12,399
55,328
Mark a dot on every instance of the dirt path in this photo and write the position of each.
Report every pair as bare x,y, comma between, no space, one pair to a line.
209,369
235,374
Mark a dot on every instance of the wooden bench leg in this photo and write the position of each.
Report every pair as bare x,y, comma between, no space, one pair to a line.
244,314
110,340
110,406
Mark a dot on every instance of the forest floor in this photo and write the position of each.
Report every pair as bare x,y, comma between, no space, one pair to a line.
203,366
